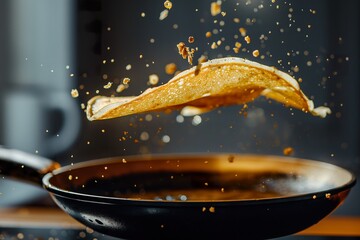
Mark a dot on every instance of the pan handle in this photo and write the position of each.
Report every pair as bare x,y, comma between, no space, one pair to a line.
24,166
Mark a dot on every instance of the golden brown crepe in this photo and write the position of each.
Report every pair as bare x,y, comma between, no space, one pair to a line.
216,83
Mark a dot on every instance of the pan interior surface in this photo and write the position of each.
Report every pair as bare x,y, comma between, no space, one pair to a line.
218,177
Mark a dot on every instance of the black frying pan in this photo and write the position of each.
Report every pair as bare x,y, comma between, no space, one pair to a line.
215,196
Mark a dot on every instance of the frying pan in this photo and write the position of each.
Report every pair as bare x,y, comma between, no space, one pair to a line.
213,196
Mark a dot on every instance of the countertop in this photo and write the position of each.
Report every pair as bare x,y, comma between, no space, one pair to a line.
55,219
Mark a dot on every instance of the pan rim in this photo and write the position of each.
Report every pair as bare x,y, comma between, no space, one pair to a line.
191,203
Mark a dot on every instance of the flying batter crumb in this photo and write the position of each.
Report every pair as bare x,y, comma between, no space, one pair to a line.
163,14
108,85
168,4
120,88
74,93
170,68
242,31
288,151
213,45
202,59
191,39
215,8
256,53
186,52
153,79
126,80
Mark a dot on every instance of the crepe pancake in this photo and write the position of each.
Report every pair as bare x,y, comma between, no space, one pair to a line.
216,83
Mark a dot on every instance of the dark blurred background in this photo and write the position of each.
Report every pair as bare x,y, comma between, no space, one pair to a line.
48,48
